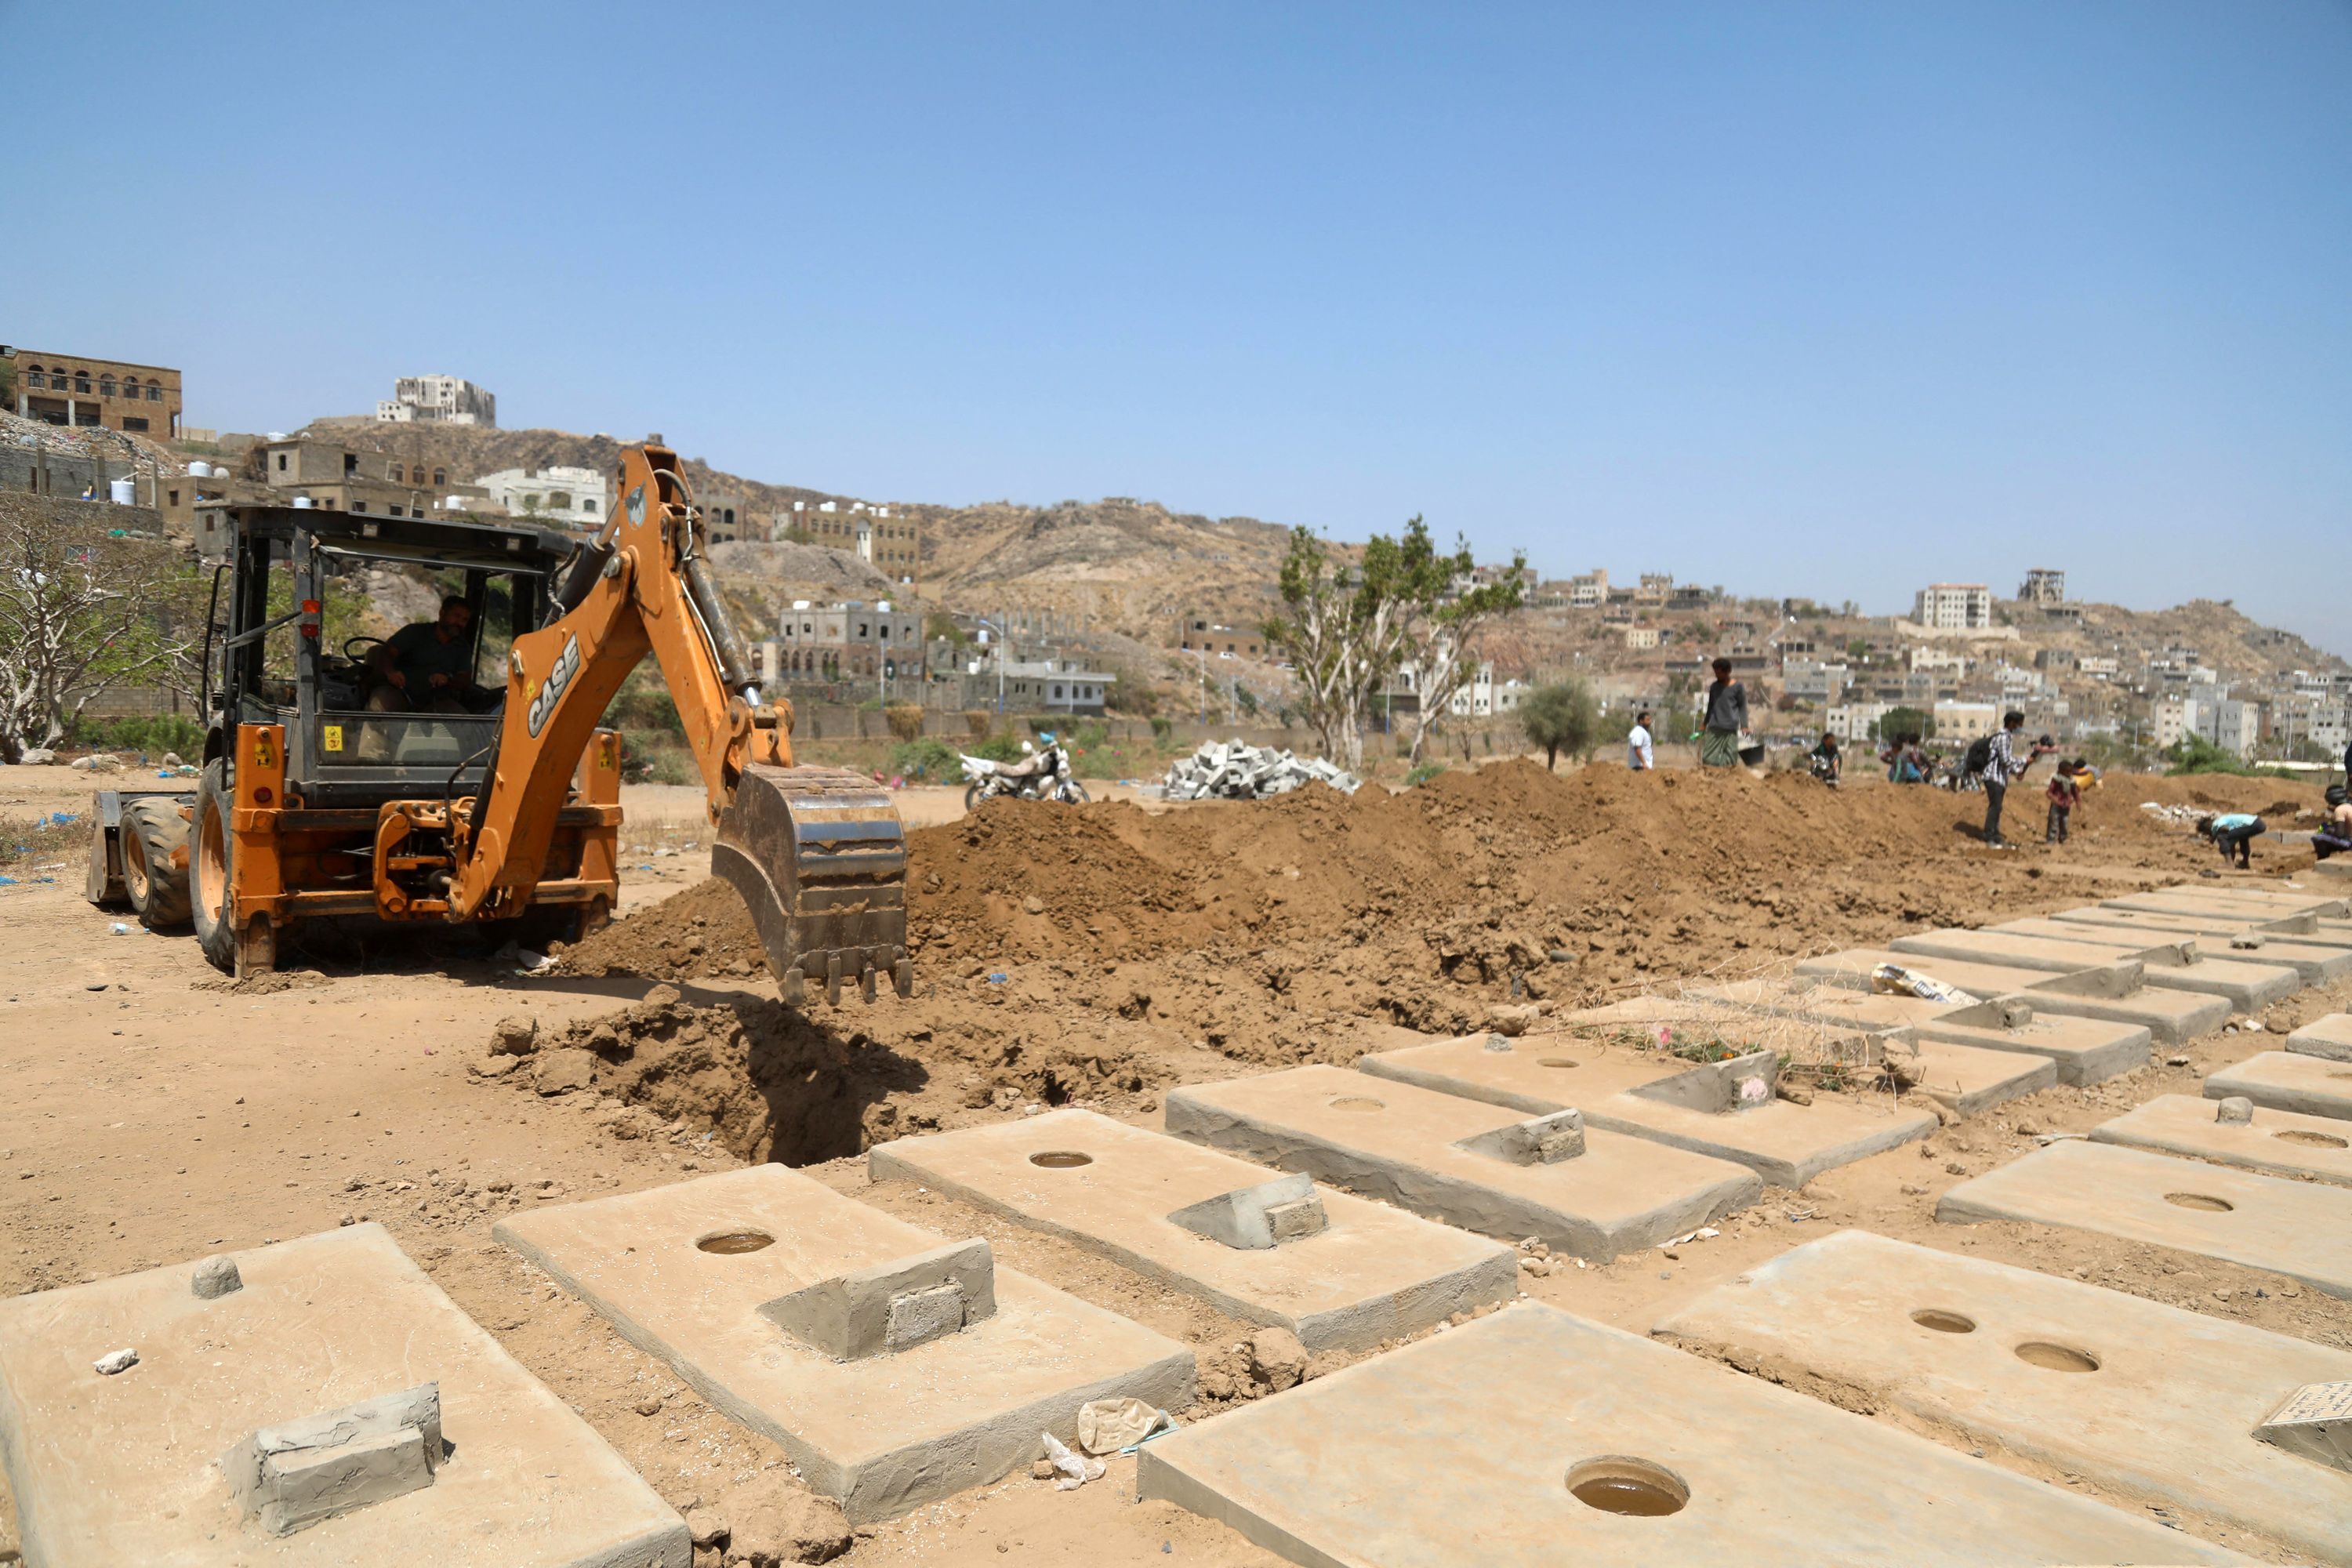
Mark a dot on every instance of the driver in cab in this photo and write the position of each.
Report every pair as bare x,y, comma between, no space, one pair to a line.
427,667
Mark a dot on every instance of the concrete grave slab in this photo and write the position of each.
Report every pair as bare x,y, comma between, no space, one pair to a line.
128,1469
1971,1079
2174,964
2293,1228
2150,1400
2084,1050
1403,1144
2113,994
1370,1273
1460,1451
684,1272
2292,928
2288,1080
2278,1143
1785,1143
2235,899
2329,1037
2313,958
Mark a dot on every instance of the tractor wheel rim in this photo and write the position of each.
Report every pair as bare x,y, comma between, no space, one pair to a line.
134,869
212,866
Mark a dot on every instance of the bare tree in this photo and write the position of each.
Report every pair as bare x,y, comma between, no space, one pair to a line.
1441,637
1346,627
82,612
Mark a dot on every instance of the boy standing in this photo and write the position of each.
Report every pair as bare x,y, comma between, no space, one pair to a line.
2063,793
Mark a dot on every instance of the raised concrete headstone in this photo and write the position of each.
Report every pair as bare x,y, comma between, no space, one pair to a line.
891,1306
2237,1110
2315,1421
299,1472
1253,1217
216,1277
1539,1140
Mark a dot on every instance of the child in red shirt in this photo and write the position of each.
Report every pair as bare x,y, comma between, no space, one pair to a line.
2063,794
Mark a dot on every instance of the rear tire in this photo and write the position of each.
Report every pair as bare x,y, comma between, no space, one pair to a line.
153,837
970,795
1074,793
211,848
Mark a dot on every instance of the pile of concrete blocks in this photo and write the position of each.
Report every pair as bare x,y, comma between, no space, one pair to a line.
1244,771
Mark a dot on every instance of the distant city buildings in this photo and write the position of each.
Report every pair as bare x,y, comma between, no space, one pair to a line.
1199,634
2044,585
892,545
71,390
438,400
578,497
1954,608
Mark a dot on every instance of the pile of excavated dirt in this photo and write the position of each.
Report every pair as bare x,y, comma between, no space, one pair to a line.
1096,954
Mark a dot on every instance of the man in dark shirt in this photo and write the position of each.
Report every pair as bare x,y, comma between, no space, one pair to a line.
428,666
1726,716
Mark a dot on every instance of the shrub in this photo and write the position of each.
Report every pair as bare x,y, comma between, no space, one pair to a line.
157,733
1423,774
926,759
980,722
999,749
1562,717
1162,729
906,720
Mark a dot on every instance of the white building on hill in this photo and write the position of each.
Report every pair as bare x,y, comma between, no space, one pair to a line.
1953,606
438,400
577,497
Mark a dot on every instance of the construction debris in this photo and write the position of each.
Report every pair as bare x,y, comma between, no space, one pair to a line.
1244,771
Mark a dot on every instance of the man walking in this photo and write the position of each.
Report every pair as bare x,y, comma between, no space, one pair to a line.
1726,716
2003,765
1639,755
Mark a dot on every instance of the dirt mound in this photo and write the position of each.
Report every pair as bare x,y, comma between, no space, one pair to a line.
1096,954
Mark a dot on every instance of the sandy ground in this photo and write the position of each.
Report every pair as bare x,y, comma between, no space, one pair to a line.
158,1114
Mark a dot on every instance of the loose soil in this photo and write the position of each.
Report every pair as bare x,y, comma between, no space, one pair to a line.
1094,957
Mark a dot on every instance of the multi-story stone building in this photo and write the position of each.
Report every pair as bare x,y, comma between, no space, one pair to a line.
576,497
1200,634
438,400
324,474
68,389
1953,606
853,639
2044,585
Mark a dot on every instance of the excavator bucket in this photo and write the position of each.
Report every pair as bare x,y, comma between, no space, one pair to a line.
819,856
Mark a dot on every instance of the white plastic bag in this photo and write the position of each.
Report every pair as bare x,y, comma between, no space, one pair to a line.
1077,1470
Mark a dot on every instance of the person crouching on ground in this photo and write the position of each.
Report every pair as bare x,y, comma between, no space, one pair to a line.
2063,794
1827,763
2234,832
1726,716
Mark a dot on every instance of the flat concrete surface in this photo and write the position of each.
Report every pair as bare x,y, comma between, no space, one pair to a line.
1785,1143
1372,1273
2179,963
2166,1417
1396,1141
1457,1452
2314,957
2293,1228
2288,1080
2168,1016
2277,1142
1971,1079
882,1434
109,1471
2330,1037
2237,899
2086,1050
2295,927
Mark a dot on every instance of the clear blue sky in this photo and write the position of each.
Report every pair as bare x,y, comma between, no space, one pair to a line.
1828,299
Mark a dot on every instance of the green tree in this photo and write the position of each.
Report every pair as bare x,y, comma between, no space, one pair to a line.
1904,721
1345,629
1562,717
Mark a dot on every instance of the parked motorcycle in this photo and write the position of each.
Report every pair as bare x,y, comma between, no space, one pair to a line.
1038,775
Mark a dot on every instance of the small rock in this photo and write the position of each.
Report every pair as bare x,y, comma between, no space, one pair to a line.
1276,1358
1954,1168
2176,1061
114,1362
708,1526
787,1526
514,1035
1034,904
2236,1111
561,1071
494,1066
664,996
1041,1470
216,1276
649,1405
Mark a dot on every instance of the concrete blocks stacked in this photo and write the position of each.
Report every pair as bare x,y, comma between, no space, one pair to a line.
1242,772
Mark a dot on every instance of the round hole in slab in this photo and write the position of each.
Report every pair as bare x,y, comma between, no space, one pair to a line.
1061,1159
2200,1201
1358,1103
1636,1487
1943,1323
2056,1358
2317,1140
730,1243
1558,1062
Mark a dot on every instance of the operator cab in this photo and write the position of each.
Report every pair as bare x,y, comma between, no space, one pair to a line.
290,642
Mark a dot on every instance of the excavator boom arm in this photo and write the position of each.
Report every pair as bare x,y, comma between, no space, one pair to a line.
817,853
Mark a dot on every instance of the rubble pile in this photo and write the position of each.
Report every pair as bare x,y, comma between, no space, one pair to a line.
1244,771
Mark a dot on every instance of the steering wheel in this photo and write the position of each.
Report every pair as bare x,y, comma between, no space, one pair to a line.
348,643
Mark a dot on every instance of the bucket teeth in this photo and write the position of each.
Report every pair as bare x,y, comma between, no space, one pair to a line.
820,859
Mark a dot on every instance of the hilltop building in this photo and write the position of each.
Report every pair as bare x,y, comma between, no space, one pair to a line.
1954,608
578,497
2044,585
438,400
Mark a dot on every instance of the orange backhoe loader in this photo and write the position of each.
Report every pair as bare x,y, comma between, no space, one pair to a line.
492,799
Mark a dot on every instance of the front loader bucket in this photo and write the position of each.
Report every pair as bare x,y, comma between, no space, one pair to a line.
819,856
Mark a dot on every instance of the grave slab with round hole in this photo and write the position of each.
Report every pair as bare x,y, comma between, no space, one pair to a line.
2277,1142
2300,1229
1370,1272
2151,1402
684,1271
1532,1438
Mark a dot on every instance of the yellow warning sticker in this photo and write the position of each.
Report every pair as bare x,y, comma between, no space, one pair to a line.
330,737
